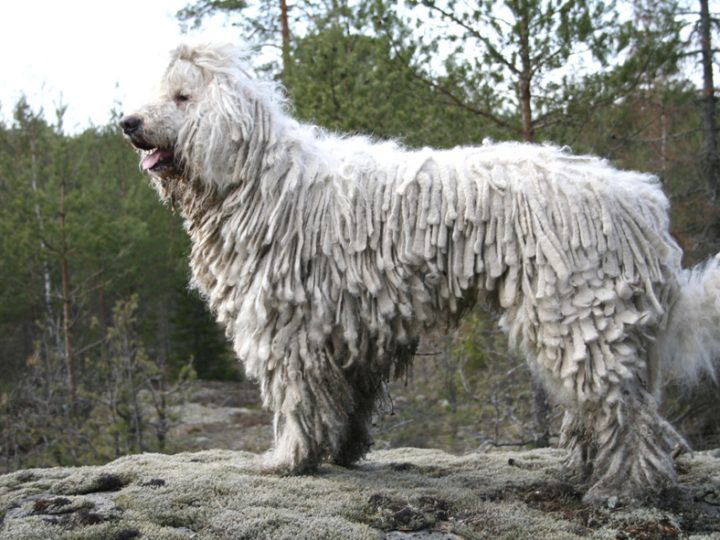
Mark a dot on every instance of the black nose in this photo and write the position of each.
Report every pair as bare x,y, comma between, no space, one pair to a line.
130,124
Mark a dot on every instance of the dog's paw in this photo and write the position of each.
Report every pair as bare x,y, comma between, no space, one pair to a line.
279,463
613,497
577,474
604,498
628,487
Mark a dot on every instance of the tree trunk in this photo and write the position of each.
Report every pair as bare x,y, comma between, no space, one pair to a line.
528,131
285,31
540,414
67,322
450,368
540,408
162,422
52,323
710,159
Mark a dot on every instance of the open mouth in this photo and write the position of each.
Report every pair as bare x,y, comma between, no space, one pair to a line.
158,159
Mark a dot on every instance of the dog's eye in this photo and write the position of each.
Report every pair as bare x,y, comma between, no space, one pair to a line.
181,98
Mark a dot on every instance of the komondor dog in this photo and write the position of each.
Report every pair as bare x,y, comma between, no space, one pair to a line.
325,257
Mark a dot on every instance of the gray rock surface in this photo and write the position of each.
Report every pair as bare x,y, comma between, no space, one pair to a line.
394,494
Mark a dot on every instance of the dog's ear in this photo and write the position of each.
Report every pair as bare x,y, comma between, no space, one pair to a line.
216,128
234,105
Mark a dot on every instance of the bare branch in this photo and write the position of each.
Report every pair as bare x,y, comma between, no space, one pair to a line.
490,47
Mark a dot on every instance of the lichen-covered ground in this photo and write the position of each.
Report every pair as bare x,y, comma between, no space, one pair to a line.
394,494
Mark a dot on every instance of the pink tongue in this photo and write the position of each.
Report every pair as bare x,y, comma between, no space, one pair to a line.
153,158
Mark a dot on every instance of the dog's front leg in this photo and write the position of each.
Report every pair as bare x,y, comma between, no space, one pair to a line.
312,407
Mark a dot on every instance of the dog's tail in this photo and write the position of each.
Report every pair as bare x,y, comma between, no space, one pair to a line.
690,346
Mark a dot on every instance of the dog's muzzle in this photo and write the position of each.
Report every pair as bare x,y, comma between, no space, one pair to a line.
160,161
132,127
130,124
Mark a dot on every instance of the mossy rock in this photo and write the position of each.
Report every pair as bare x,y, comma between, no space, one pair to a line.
394,494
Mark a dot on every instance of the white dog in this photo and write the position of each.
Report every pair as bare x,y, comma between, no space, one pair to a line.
325,257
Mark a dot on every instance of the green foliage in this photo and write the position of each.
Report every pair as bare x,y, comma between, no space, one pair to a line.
115,237
128,375
513,58
75,208
125,404
196,336
194,13
359,84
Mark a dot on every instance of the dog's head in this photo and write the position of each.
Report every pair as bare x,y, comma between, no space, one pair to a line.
206,111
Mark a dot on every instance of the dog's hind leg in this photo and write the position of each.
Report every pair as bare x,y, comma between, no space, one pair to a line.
615,435
576,437
367,380
356,440
591,348
634,444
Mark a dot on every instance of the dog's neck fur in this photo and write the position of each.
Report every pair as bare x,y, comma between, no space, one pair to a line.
230,226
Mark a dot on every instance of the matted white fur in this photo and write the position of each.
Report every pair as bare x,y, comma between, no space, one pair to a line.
325,257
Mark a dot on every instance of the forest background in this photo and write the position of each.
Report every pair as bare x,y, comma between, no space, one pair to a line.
101,341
